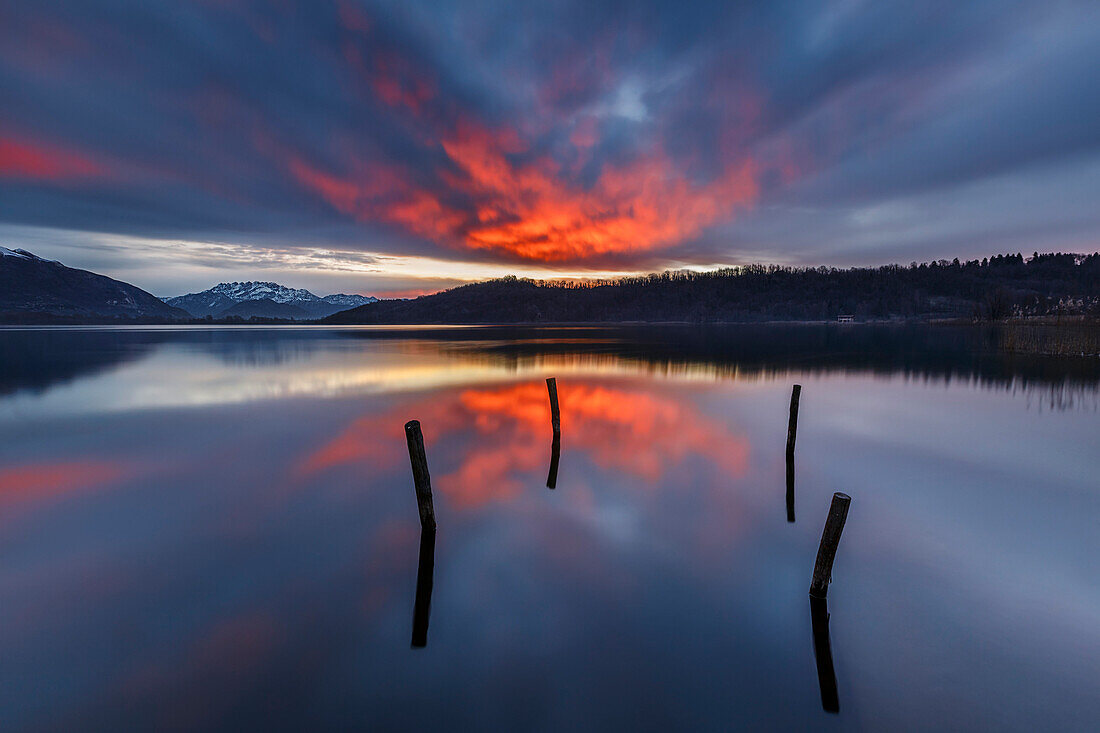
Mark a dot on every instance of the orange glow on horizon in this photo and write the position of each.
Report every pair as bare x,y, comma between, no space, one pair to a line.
411,292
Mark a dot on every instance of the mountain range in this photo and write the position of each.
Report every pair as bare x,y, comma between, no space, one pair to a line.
263,300
32,288
36,290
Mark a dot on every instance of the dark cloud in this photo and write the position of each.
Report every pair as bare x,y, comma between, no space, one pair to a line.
586,134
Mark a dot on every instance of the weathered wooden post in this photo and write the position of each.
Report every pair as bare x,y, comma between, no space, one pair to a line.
555,415
422,604
792,425
792,431
421,479
830,538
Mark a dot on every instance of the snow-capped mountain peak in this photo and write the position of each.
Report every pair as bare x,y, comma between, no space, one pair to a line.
350,301
263,290
270,299
24,255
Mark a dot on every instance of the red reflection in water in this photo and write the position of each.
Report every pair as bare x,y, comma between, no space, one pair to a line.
632,431
504,432
44,480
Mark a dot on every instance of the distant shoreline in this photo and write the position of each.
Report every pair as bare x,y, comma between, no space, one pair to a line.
39,319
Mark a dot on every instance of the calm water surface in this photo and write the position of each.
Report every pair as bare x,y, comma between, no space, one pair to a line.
216,529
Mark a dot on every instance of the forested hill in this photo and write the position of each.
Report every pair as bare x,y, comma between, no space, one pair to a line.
991,288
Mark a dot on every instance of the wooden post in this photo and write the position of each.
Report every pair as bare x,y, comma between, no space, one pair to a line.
421,479
830,538
555,415
422,604
792,431
792,425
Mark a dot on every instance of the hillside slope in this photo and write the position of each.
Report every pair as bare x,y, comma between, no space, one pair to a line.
992,288
31,286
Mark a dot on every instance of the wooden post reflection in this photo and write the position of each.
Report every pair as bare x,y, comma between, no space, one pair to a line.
790,488
823,653
422,606
555,454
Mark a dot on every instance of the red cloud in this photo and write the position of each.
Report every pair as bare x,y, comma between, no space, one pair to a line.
395,78
639,206
484,194
24,159
392,78
530,210
381,193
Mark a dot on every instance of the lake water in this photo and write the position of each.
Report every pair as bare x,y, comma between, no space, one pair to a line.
217,529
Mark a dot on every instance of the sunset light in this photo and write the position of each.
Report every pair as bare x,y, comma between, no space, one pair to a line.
573,365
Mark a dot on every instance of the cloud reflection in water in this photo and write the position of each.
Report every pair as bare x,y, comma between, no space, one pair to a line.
501,433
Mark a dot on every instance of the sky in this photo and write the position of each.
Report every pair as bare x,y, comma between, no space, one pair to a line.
398,148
